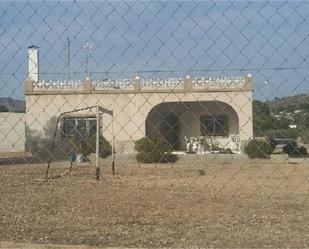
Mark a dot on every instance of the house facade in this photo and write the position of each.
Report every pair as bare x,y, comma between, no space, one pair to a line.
174,108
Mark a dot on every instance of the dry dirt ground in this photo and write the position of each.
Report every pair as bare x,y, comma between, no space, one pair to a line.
253,204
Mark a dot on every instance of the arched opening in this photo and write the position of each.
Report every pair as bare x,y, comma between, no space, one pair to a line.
176,120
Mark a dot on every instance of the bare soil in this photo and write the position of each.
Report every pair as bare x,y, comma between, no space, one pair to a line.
253,204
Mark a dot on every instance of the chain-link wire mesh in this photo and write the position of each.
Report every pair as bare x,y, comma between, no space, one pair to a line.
214,94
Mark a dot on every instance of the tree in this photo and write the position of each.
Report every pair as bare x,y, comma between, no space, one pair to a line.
3,108
260,108
261,117
281,123
302,120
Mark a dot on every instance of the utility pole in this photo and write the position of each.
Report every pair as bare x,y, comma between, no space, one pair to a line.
69,58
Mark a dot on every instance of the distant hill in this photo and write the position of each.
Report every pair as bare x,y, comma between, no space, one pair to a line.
290,103
286,117
13,105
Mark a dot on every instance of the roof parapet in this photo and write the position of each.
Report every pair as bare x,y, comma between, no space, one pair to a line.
137,84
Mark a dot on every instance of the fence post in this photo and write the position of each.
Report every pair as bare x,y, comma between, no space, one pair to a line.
97,172
137,84
28,85
87,85
187,83
248,81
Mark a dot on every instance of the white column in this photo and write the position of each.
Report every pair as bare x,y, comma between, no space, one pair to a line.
33,56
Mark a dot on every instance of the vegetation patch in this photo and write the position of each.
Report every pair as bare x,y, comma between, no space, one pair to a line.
274,119
258,149
87,144
292,150
154,151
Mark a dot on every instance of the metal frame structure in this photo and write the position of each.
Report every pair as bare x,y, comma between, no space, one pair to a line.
99,110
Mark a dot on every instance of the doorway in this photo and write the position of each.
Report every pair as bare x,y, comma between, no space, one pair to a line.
170,129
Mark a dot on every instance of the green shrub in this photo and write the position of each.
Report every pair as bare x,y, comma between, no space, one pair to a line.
304,133
258,149
144,145
281,133
3,108
144,157
154,151
105,147
292,150
87,144
302,151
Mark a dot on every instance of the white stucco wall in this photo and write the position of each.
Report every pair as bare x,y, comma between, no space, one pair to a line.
12,132
130,110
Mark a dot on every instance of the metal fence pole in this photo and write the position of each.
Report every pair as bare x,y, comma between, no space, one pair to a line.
113,146
97,146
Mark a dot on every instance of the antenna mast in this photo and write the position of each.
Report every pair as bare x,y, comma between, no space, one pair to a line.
88,49
69,58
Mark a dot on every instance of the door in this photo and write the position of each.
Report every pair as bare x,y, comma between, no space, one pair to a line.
171,129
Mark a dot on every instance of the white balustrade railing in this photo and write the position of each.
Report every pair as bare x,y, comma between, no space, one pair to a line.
227,81
144,83
167,82
44,84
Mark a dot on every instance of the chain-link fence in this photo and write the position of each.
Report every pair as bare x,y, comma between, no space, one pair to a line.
218,88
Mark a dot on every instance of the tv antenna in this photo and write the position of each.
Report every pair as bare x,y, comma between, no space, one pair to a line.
88,50
69,58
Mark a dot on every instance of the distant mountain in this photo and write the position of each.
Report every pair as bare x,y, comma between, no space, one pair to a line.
290,103
13,105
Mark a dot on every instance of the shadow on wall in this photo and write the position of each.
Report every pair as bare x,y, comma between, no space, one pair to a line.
39,142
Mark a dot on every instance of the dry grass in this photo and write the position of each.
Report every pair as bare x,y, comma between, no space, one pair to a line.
231,205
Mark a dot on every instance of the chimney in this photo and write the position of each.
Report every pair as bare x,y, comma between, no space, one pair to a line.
33,57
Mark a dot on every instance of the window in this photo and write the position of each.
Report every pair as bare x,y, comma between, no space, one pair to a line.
214,125
79,125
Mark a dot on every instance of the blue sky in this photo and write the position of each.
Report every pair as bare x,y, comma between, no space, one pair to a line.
159,39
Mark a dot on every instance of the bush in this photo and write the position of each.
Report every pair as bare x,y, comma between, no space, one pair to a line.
292,150
258,149
87,144
302,151
3,108
281,133
144,145
105,147
143,157
304,133
154,151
